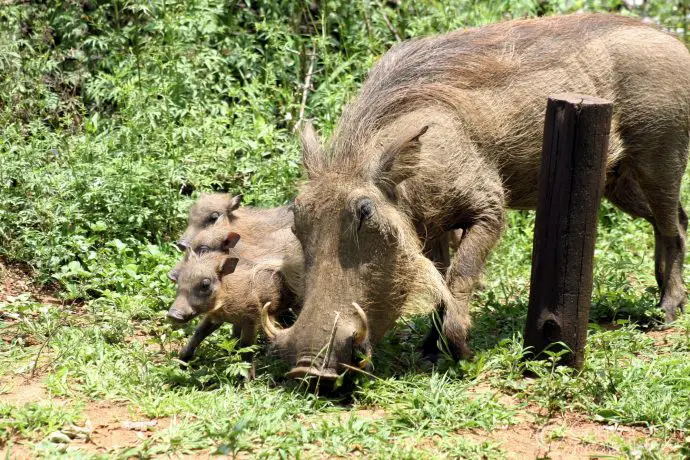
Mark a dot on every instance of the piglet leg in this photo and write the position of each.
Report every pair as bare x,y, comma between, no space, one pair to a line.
248,338
206,328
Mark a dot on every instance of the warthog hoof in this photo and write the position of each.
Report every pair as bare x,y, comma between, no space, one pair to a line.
429,348
185,356
671,308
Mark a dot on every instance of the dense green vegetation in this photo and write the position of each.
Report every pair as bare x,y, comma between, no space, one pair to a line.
115,115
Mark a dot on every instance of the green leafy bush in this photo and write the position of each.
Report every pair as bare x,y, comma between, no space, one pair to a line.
114,114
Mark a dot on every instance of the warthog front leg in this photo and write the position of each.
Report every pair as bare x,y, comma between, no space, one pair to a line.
464,273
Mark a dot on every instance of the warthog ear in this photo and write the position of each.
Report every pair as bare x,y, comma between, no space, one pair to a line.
312,151
230,241
174,274
235,202
227,266
400,160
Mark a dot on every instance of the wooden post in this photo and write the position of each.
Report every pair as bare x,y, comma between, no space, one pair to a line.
571,182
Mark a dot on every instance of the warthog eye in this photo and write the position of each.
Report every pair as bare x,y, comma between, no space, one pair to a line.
365,209
213,217
203,249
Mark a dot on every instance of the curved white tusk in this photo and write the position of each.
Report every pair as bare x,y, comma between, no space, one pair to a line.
363,330
267,323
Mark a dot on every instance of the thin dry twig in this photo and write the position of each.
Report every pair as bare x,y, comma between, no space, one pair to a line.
307,85
361,371
326,349
390,26
330,341
367,21
43,345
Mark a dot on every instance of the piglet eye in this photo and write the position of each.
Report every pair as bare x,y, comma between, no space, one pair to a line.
205,283
203,249
214,217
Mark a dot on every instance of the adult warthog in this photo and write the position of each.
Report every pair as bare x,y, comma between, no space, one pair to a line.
445,134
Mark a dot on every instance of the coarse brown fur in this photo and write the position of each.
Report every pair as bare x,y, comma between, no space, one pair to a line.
445,134
236,291
262,243
266,229
266,236
251,223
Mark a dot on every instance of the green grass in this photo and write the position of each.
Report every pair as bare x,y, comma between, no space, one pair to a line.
115,349
115,115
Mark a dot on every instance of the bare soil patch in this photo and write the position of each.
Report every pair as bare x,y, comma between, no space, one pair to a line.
563,437
17,279
19,391
17,451
109,426
660,336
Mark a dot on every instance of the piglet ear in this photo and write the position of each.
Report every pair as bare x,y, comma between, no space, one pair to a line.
230,241
227,266
173,274
234,203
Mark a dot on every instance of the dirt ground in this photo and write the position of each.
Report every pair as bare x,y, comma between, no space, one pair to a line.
105,426
108,426
16,280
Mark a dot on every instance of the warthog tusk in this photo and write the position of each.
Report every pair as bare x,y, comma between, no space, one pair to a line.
270,328
363,330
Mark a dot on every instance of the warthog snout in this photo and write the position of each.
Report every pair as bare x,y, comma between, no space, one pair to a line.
176,316
309,367
348,346
180,312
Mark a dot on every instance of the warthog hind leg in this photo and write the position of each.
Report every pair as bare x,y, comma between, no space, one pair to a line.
660,184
